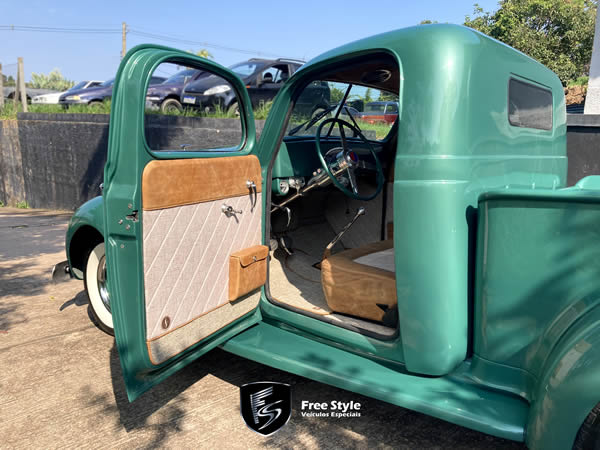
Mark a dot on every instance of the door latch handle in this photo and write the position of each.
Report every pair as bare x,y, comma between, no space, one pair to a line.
252,186
229,211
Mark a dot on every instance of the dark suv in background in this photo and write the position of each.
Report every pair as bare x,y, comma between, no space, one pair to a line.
263,79
166,95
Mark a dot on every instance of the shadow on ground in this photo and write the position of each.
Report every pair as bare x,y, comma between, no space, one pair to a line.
15,282
382,424
81,299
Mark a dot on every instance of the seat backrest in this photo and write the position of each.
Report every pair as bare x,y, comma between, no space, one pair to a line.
267,77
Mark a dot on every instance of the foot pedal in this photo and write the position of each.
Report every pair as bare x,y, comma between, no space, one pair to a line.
286,245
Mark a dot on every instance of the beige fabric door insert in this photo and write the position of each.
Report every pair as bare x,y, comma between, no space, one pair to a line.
188,237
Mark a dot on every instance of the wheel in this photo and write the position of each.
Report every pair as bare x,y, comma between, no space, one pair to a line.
95,106
170,105
588,436
234,109
94,279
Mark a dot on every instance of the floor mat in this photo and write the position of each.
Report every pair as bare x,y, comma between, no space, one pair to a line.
297,288
294,280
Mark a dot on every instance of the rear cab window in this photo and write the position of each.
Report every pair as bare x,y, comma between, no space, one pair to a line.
529,105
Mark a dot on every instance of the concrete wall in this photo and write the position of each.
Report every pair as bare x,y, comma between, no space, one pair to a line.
12,185
63,158
57,160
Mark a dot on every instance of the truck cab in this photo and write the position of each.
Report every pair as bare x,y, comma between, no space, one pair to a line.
438,263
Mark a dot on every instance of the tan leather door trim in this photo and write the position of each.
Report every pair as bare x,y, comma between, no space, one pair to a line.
178,182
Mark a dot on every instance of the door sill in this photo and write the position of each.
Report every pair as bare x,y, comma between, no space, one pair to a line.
469,405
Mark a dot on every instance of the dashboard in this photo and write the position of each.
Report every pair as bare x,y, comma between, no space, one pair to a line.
297,161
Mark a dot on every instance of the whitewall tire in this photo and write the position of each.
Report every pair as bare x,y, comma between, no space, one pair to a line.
95,285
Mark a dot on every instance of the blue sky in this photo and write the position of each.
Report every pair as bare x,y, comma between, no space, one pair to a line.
301,29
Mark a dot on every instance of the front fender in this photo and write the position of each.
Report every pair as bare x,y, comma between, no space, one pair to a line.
90,214
569,387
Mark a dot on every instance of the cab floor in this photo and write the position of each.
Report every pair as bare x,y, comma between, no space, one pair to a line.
295,281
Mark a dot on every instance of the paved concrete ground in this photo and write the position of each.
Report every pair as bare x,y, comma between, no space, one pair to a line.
61,386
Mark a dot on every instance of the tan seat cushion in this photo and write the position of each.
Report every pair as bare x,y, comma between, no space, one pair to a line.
355,289
382,260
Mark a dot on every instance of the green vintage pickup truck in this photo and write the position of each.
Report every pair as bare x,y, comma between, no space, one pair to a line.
438,263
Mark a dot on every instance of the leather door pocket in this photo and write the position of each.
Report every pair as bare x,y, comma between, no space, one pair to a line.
247,270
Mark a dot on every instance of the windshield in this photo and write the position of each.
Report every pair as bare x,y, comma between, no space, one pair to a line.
79,85
180,77
321,100
108,83
246,68
375,108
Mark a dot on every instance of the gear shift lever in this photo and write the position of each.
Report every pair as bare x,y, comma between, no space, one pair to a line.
359,212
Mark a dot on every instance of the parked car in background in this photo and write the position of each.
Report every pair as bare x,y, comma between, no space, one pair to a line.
167,94
54,97
263,79
95,95
380,112
9,92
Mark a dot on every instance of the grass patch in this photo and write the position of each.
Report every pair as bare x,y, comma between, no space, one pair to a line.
263,110
381,129
10,109
219,113
23,205
581,81
187,112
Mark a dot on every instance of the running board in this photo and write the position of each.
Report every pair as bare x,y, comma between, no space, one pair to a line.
468,405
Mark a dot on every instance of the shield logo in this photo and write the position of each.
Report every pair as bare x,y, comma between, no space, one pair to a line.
266,406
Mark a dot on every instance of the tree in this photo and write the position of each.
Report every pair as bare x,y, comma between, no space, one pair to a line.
336,95
387,97
368,97
54,80
202,53
557,33
8,81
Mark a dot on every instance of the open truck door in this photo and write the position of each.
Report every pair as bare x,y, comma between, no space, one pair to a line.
183,221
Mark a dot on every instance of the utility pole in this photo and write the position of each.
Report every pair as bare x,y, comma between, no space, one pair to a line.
17,93
123,40
1,88
21,84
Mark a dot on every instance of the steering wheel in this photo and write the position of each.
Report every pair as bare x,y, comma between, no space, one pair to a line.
348,162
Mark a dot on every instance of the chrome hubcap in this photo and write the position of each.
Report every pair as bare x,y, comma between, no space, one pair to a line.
102,288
